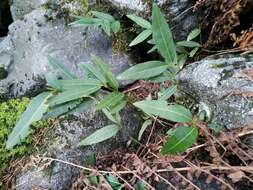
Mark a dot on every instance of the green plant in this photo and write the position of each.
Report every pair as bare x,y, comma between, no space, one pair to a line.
69,93
182,137
103,20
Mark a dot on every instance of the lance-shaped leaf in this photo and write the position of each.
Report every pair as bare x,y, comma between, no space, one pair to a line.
182,60
53,81
141,37
114,182
168,93
82,107
109,115
115,26
91,70
115,109
111,80
189,44
106,26
143,128
176,113
103,16
61,109
181,138
162,35
143,70
193,34
72,94
79,83
193,52
100,135
85,21
140,21
34,112
62,69
110,100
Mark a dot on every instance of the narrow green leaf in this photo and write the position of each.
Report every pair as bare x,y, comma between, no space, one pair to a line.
176,113
106,72
194,51
63,71
102,15
34,112
110,100
141,37
182,60
154,48
94,180
109,115
140,21
61,109
165,76
82,107
189,44
53,81
89,69
143,70
168,93
100,135
115,26
193,34
106,26
85,21
143,128
118,107
182,138
114,182
72,94
162,35
75,83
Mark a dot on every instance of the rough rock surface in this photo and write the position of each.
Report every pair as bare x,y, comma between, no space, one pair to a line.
63,145
179,13
225,85
32,39
20,8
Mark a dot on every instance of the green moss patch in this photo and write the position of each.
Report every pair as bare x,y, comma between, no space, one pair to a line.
10,112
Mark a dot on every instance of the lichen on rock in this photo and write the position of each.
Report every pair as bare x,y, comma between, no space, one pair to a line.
222,84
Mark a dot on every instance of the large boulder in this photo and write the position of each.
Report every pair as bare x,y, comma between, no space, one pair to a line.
63,145
224,87
30,41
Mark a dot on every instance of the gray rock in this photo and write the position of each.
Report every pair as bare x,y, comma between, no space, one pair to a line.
138,6
20,8
63,145
32,39
222,85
